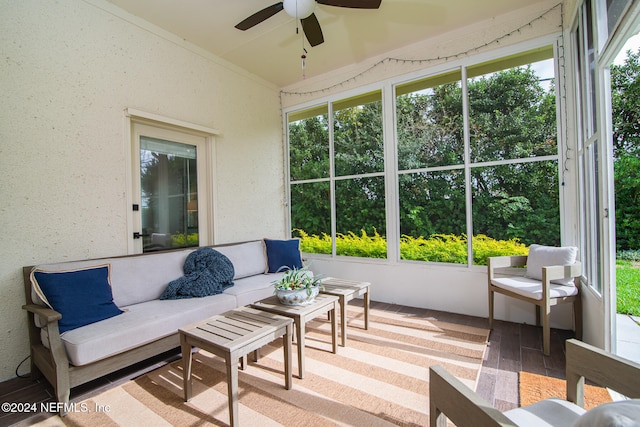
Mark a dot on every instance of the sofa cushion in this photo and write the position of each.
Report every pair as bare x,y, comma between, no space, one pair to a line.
140,324
138,278
253,288
143,278
545,256
282,255
248,258
82,296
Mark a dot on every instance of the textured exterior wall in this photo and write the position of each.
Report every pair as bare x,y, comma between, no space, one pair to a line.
69,69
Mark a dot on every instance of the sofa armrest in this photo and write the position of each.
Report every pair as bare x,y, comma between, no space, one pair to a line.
51,358
47,314
450,399
601,367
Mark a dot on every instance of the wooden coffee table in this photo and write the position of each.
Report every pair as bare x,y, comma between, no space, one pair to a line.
346,290
232,335
301,314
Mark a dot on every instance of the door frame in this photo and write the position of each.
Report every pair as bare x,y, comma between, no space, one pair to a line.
157,126
600,323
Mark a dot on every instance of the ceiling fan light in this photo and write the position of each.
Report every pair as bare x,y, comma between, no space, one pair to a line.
299,9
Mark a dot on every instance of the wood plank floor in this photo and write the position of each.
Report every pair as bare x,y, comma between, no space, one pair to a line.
512,348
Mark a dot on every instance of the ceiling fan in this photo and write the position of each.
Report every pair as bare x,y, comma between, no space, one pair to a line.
303,10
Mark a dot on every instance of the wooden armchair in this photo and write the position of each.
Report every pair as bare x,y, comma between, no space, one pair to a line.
541,283
451,399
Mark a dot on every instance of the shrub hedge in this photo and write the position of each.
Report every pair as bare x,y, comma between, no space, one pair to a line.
448,248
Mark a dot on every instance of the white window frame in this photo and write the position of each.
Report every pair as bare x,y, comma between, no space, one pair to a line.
390,146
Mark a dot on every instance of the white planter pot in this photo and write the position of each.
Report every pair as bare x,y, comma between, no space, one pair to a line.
297,296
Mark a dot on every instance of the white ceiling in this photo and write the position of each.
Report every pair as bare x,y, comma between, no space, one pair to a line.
272,49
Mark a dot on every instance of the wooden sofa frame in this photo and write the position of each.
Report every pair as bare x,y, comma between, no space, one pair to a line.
452,399
53,363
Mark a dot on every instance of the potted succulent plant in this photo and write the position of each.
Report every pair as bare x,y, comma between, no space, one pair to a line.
297,286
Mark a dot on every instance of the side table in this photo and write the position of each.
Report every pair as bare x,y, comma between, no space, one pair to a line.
301,314
232,335
346,290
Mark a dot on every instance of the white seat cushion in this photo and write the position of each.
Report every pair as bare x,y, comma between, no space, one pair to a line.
549,412
532,288
253,288
140,324
248,258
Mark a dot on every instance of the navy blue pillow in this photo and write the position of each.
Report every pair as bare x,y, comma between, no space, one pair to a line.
283,255
80,296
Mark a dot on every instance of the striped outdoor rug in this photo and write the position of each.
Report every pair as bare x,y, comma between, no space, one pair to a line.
380,378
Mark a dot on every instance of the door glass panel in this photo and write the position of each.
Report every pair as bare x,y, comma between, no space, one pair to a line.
169,194
590,217
615,11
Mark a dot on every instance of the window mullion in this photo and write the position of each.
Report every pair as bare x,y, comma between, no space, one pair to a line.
467,165
391,172
332,180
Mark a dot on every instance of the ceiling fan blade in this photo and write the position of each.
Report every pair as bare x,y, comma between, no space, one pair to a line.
260,16
355,4
312,30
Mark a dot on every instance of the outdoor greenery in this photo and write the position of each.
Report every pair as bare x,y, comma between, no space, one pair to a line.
628,287
625,101
438,248
512,117
179,240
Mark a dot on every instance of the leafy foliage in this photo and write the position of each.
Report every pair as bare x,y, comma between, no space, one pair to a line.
625,103
296,279
511,117
313,244
629,255
437,248
627,190
180,240
350,244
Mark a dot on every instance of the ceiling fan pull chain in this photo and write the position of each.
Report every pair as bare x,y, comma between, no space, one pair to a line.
304,65
303,57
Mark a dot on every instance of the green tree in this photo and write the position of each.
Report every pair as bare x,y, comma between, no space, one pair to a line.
625,103
511,117
309,159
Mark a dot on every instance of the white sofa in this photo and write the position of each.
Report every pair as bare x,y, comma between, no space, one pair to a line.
148,326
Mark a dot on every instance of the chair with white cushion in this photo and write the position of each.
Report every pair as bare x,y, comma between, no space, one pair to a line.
450,398
551,277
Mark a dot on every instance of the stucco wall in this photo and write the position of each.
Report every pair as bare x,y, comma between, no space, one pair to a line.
68,70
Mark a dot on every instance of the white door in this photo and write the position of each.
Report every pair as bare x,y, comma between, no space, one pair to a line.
169,188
